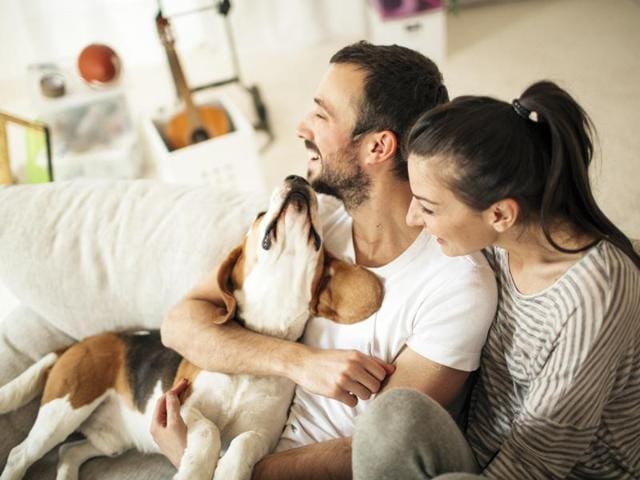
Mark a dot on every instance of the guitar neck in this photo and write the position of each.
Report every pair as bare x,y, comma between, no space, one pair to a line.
183,87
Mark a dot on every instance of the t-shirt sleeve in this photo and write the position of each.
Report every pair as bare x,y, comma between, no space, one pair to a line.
451,325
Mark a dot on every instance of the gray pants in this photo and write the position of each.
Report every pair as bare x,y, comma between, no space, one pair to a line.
406,435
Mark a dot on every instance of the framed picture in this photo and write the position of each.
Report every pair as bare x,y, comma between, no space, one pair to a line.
25,151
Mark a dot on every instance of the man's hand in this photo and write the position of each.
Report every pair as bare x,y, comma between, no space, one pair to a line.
344,375
167,427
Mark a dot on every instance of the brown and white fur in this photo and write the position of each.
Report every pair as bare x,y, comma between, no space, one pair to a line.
106,386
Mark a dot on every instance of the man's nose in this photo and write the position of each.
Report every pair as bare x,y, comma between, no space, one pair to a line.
303,131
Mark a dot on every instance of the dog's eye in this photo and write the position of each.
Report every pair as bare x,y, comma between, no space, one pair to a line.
259,215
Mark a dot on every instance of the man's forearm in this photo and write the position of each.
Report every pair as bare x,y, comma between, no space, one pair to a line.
227,348
320,461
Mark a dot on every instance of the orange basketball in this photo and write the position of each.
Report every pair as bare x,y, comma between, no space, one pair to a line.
98,63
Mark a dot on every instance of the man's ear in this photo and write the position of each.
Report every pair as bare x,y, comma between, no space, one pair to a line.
222,294
381,147
347,293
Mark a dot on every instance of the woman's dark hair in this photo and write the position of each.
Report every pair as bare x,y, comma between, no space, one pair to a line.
536,151
399,85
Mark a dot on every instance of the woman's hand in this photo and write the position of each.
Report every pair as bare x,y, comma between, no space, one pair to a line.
167,427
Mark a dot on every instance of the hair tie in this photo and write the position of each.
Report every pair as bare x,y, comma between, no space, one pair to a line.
524,112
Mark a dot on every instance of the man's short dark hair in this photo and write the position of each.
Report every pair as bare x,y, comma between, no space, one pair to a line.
400,84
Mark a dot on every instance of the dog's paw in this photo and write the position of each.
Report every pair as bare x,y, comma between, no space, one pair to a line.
67,474
11,474
193,474
194,471
232,472
15,468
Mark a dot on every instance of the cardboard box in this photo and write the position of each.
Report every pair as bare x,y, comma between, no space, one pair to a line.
230,160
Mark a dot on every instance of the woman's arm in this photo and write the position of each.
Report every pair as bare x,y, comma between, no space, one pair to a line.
443,384
563,409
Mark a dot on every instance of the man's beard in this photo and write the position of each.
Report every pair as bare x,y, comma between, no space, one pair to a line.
349,184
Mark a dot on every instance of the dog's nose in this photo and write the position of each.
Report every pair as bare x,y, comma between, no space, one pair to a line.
296,179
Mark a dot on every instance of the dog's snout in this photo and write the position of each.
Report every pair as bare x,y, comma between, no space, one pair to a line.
296,179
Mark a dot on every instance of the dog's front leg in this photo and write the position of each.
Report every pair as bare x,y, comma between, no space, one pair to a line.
244,452
203,448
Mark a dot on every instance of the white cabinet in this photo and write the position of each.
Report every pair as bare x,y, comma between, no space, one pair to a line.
424,31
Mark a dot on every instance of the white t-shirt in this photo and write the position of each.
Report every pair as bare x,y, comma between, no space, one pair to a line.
441,307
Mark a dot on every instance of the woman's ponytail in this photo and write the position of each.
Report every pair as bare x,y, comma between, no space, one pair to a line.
567,190
536,150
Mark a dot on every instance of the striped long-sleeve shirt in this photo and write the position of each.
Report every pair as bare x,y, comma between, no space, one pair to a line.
559,389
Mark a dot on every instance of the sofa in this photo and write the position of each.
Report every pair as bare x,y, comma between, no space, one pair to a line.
90,256
85,257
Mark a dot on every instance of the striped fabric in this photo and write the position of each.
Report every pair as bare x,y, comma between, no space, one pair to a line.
559,389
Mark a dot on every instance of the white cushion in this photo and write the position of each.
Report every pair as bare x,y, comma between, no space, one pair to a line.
7,301
91,256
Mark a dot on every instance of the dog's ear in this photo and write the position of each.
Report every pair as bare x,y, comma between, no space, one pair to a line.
346,293
222,294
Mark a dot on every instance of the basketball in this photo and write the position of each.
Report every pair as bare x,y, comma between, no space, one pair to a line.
98,64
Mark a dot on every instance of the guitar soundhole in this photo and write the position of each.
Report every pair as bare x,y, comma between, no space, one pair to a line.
199,135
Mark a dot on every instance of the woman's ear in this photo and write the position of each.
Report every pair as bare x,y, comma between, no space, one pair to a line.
346,293
381,146
503,214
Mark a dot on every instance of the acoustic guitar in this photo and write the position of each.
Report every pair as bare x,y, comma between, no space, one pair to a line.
195,123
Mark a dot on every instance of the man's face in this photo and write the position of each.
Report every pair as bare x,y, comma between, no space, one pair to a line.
334,165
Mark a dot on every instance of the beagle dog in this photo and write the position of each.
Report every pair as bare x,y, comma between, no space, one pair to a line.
107,386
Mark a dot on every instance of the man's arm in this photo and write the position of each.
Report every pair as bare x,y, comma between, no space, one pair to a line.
228,347
332,459
466,307
344,375
443,384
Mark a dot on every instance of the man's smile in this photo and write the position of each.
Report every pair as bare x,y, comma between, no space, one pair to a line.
312,151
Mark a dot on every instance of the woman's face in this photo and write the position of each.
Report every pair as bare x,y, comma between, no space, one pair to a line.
458,229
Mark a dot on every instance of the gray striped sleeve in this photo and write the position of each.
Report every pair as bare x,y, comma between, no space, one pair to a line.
572,375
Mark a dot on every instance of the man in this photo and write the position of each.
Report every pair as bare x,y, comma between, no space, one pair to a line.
430,329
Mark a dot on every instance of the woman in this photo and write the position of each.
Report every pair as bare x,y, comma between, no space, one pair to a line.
558,395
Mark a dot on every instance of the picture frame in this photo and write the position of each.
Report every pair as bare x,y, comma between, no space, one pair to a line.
25,151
